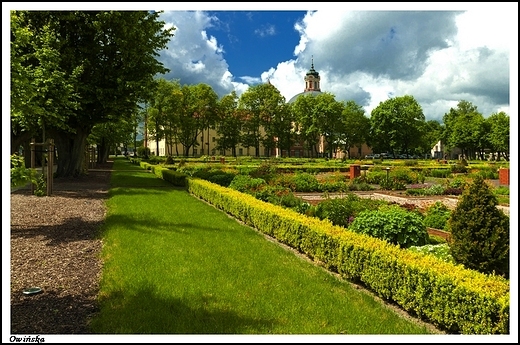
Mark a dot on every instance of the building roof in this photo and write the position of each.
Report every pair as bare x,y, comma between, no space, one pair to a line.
312,93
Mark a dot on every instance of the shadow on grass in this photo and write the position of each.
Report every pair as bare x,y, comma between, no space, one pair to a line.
203,316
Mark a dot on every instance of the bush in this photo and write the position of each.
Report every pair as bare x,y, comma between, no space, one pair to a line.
246,184
169,160
440,173
143,152
223,179
437,215
394,224
305,182
342,211
20,175
480,231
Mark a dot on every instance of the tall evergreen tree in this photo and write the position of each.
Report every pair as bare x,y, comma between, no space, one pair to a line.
480,231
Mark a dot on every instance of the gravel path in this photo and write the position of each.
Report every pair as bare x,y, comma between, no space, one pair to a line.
54,246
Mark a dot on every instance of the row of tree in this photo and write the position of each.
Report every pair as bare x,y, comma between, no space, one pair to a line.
260,117
82,77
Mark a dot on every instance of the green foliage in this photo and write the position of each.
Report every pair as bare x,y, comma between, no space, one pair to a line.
20,175
457,182
392,184
265,171
404,175
143,152
305,182
501,190
394,224
71,91
459,168
480,231
436,216
169,160
359,184
440,173
397,124
224,179
342,211
435,239
40,186
486,173
246,183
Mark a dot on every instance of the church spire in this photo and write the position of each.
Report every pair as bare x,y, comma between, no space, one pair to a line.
312,79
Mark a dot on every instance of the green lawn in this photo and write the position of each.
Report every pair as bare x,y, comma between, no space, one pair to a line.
176,265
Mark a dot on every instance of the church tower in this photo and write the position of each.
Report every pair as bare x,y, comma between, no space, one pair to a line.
312,79
312,84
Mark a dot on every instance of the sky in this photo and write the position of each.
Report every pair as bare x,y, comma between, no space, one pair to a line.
439,56
439,53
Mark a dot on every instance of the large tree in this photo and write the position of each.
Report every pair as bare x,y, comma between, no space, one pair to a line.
196,113
498,136
355,126
464,128
307,129
42,94
264,105
97,65
397,125
229,123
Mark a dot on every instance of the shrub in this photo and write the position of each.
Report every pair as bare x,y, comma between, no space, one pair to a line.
246,183
169,160
223,179
341,211
435,189
459,168
305,182
392,184
265,171
437,215
393,224
501,190
404,175
440,173
143,152
457,182
480,231
20,175
359,184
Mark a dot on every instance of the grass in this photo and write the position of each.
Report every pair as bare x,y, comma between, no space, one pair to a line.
176,265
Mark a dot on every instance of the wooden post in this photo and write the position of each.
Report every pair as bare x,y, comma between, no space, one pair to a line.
33,160
50,167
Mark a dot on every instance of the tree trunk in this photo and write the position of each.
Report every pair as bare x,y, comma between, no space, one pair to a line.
71,152
21,140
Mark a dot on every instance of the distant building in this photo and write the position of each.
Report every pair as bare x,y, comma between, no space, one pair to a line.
208,137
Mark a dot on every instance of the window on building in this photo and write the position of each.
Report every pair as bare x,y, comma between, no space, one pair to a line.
194,152
240,152
213,139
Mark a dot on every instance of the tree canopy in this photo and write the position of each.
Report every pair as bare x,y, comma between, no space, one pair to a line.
73,70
